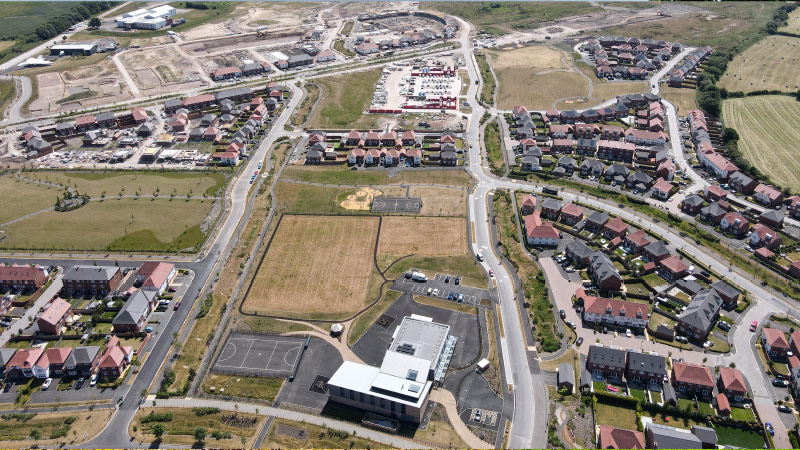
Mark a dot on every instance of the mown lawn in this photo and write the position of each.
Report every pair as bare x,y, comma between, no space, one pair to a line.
745,414
615,416
739,438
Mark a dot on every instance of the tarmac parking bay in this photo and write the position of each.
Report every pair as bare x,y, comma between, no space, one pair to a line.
472,295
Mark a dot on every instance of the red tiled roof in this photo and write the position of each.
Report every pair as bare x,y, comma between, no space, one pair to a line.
693,373
717,191
663,185
611,437
673,264
616,224
139,113
203,98
357,152
732,379
225,71
58,355
155,273
775,338
518,110
529,200
639,238
572,209
723,405
768,191
84,120
25,358
354,134
543,232
794,361
19,272
600,305
532,221
764,252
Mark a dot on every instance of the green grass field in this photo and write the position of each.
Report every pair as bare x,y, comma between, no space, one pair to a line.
19,18
738,437
19,198
504,17
7,93
745,414
494,150
345,98
768,135
489,84
615,416
115,225
338,45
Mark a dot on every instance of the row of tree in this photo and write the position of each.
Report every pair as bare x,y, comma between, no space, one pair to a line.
59,24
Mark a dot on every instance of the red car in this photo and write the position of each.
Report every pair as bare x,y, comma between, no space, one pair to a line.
177,305
754,325
491,273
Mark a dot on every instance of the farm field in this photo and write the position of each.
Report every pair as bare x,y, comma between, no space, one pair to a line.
316,266
535,77
682,98
769,64
18,18
16,433
345,97
721,25
505,17
95,184
423,236
768,135
117,225
793,24
180,429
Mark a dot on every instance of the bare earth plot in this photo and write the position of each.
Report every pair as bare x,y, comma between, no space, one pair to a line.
535,77
768,131
423,236
315,266
161,70
770,64
248,17
121,225
93,84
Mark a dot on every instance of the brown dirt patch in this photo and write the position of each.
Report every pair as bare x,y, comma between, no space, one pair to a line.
423,236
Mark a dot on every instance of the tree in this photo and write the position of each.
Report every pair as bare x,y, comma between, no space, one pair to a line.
36,434
94,22
200,434
159,430
730,134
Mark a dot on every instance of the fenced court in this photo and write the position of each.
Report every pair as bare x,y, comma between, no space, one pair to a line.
260,355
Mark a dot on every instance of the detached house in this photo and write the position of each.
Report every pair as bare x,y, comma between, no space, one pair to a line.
615,228
551,209
672,268
571,214
731,383
775,344
528,204
734,223
767,195
115,359
701,315
133,315
155,276
21,364
596,221
82,361
636,242
764,236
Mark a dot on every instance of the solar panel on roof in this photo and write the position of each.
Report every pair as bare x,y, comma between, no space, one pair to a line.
413,387
406,349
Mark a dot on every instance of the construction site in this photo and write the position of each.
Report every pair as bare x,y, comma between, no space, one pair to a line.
163,69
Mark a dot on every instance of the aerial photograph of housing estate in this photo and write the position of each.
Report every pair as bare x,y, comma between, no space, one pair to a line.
401,224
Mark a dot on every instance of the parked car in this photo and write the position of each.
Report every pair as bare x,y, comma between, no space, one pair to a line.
563,314
435,292
460,298
708,344
93,380
579,342
47,383
450,295
628,332
780,383
491,273
771,430
79,383
458,280
570,269
177,305
785,409
754,325
148,329
172,289
447,279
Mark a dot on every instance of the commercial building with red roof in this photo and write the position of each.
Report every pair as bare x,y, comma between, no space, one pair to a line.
688,378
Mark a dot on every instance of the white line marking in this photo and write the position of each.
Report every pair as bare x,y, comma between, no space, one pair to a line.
226,349
248,352
271,355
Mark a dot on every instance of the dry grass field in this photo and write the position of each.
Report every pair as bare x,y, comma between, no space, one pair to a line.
771,64
768,131
601,89
682,98
316,263
437,201
95,184
344,99
535,76
16,434
424,236
180,430
19,198
793,24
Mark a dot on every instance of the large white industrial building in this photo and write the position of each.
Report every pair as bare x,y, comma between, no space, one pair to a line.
417,358
147,19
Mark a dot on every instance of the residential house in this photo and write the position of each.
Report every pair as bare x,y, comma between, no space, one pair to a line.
772,218
728,293
373,157
606,311
616,150
566,377
224,73
603,272
22,277
700,315
448,158
592,167
528,204
646,367
82,361
672,268
596,221
688,379
714,212
571,214
617,173
740,182
21,364
636,242
551,209
774,343
541,235
666,170
612,437
568,164
133,315
662,189
115,359
735,224
155,276
227,158
85,123
692,204
639,181
578,253
57,358
356,156
767,195
606,361
764,236
656,251
97,280
794,207
53,319
614,228
715,193
5,357
659,436
414,156
731,383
